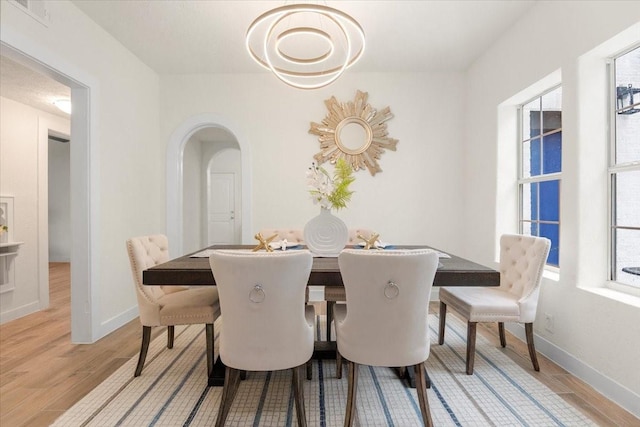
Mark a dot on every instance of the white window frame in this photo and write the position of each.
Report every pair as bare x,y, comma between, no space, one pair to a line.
613,169
522,181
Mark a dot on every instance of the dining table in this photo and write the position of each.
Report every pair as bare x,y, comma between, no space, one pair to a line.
193,269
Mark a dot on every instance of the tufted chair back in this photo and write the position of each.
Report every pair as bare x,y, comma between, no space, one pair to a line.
267,326
385,322
293,235
145,252
522,261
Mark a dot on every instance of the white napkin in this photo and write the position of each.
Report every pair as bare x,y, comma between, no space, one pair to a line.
380,244
282,244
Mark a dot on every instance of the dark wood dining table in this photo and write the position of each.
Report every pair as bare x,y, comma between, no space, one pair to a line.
193,270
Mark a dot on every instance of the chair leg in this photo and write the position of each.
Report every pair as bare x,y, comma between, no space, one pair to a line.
443,316
171,330
338,365
309,370
352,390
421,388
503,339
210,355
528,328
144,347
330,305
298,396
231,383
471,346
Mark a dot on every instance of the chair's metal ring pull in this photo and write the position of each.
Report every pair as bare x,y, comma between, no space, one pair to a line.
391,291
257,294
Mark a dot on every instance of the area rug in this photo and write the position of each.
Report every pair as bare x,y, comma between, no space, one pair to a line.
172,391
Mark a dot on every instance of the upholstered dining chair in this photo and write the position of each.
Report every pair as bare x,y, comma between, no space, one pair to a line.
334,294
168,305
522,261
293,236
267,325
385,319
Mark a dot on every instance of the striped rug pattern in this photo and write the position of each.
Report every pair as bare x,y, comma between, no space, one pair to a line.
172,391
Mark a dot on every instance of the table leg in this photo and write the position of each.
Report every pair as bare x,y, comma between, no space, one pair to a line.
410,376
330,305
216,379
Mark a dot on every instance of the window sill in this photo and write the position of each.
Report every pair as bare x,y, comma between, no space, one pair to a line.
551,273
617,292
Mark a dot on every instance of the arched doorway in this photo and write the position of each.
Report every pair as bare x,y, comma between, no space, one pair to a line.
213,136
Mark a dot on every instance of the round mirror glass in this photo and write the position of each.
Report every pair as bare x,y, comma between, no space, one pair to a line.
353,135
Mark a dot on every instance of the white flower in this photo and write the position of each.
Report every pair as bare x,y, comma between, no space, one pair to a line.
320,186
327,191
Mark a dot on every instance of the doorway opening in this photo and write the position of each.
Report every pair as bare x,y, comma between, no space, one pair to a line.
212,189
208,184
82,207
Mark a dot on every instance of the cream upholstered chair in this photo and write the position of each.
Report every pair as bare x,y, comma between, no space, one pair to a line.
385,319
522,261
267,325
294,236
168,305
333,294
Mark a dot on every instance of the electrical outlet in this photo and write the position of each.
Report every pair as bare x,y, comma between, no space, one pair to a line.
548,322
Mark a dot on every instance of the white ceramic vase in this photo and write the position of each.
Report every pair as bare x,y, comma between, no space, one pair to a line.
326,234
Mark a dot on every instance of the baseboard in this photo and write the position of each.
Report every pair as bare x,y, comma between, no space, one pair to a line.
19,312
612,390
116,322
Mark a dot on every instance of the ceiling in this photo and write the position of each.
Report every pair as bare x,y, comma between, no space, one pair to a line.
29,87
206,36
182,37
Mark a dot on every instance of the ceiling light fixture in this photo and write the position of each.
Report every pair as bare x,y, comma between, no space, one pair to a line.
63,105
306,46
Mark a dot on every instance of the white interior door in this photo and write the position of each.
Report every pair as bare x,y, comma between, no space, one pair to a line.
221,209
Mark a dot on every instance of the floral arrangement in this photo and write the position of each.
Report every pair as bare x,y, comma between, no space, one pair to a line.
331,192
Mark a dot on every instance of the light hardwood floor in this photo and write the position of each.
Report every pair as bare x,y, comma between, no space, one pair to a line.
42,374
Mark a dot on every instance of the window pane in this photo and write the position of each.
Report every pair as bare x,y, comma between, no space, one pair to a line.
627,193
628,137
628,118
627,257
531,119
531,158
552,153
552,107
550,200
552,232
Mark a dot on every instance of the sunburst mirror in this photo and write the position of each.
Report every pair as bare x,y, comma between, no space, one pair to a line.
354,131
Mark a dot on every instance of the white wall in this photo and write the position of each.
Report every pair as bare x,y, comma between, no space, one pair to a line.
23,161
595,332
192,196
125,190
420,184
59,201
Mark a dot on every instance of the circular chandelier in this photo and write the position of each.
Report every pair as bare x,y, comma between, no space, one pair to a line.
306,46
